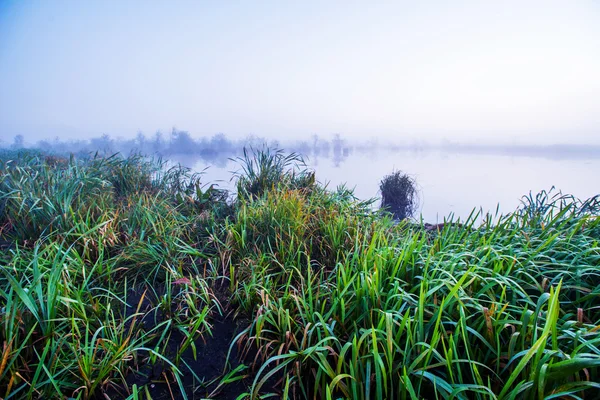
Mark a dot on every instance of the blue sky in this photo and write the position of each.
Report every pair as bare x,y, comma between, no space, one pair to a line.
478,71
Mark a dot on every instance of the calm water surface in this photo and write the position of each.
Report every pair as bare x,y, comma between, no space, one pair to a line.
448,183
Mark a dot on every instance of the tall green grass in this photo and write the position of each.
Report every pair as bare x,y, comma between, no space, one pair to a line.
87,286
350,305
114,263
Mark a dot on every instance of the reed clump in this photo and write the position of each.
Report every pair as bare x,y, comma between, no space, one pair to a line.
399,195
340,301
93,247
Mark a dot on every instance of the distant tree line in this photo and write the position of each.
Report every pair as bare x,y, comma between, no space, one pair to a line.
180,144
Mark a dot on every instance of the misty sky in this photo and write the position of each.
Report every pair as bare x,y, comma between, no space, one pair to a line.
485,71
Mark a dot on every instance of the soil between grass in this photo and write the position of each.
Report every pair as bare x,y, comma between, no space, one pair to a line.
210,363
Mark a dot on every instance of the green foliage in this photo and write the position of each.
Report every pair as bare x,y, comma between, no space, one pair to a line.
96,246
263,170
508,309
113,267
537,209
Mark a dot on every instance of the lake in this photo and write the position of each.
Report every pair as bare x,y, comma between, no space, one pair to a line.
449,182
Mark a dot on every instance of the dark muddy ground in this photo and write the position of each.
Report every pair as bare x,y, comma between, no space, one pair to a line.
209,365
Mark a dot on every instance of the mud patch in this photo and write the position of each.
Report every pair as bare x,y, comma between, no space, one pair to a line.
206,372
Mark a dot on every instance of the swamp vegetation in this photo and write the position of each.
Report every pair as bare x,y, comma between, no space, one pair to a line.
116,273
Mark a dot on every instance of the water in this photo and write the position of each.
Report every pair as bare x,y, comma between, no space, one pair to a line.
449,183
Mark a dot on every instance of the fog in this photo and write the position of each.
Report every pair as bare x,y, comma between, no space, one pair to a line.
481,102
179,145
230,199
466,72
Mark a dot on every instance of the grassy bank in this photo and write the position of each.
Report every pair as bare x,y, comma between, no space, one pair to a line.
118,273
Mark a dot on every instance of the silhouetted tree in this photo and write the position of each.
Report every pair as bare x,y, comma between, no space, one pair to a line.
182,142
157,143
140,141
19,142
219,143
340,152
103,144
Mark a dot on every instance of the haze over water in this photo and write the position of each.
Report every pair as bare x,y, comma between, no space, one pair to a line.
471,73
468,71
449,183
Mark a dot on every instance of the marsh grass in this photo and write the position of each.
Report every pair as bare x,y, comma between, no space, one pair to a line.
347,304
117,270
86,234
399,195
262,170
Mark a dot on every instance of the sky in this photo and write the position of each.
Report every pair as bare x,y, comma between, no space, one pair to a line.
467,71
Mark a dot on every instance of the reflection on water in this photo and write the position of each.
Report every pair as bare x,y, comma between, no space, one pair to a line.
449,182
